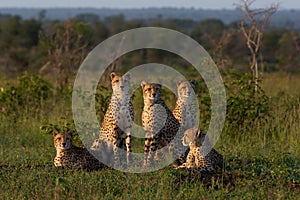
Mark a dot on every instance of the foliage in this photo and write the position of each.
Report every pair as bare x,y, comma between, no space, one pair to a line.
66,45
244,108
63,125
245,105
59,46
26,96
261,165
102,98
254,168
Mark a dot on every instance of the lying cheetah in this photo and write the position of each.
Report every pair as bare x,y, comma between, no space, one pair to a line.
117,122
70,156
158,121
194,138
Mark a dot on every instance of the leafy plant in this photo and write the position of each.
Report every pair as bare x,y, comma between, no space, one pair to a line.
244,104
26,96
102,98
63,125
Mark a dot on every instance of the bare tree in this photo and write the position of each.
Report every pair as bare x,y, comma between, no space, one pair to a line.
66,48
253,25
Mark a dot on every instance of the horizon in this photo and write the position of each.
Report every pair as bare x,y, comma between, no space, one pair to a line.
134,4
131,8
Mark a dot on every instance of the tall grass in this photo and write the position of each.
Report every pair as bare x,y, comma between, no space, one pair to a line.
261,161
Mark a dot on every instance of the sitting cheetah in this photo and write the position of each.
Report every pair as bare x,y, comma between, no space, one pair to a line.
185,111
117,122
194,138
158,121
70,156
185,108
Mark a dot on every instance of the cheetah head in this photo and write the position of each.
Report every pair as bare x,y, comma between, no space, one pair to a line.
186,89
62,141
193,137
120,84
151,91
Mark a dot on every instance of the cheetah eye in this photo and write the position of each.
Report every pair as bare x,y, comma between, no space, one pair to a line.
117,81
149,89
59,139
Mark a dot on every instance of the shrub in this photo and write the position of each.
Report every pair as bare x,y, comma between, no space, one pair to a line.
244,104
27,96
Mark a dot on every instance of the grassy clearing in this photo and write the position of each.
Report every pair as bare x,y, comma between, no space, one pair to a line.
262,162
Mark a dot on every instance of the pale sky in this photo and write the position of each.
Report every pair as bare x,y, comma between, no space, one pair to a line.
212,4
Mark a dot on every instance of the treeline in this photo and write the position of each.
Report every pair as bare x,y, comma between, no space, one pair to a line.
40,45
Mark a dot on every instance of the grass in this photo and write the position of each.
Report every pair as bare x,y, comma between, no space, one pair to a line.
281,82
263,163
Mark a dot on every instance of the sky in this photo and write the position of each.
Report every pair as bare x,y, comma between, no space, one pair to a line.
206,4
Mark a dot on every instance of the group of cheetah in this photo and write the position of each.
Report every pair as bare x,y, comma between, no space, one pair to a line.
161,126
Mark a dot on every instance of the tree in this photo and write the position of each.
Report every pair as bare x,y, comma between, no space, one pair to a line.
18,39
288,52
30,32
66,44
116,23
211,29
253,26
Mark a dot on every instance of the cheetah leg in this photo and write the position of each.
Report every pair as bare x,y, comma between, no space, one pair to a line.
203,164
189,162
146,149
200,161
179,151
151,143
128,148
120,153
180,158
117,161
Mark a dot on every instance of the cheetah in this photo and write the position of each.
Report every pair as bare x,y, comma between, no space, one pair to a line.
195,139
158,122
117,123
185,110
69,156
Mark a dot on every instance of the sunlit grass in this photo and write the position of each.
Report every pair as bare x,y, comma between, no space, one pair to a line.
281,82
261,162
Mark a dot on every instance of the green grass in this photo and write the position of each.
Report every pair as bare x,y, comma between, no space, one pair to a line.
281,82
261,162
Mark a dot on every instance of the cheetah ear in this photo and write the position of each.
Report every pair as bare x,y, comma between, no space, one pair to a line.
71,133
178,83
112,75
127,76
193,83
159,84
55,132
143,83
199,133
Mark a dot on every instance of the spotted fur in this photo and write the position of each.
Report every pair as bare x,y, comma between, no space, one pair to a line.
185,112
185,108
158,121
70,156
117,122
199,146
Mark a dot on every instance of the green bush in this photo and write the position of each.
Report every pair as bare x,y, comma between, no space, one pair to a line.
244,104
27,96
